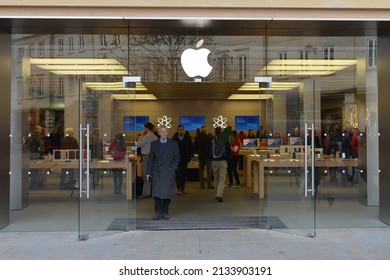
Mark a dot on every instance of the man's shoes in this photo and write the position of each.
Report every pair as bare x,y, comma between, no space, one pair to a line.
165,216
219,199
237,186
157,216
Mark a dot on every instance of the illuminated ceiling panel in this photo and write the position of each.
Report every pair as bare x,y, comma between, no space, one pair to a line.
132,96
309,67
118,86
275,86
80,66
250,96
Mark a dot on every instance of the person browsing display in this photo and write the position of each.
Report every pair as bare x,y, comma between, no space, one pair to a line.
163,162
219,154
117,150
68,142
202,148
144,141
184,142
233,160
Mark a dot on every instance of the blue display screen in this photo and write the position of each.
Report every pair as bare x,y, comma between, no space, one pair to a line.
247,122
134,122
250,143
274,142
192,122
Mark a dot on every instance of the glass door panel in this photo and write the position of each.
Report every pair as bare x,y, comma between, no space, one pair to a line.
178,99
328,98
41,198
285,171
106,167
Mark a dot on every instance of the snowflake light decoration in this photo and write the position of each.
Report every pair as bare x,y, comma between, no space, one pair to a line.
165,121
220,122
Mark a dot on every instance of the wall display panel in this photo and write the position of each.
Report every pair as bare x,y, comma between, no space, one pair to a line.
192,122
131,123
247,122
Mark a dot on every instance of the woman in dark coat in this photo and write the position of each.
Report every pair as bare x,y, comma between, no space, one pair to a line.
163,161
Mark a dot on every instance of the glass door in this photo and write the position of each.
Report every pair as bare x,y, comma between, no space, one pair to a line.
286,177
318,175
106,166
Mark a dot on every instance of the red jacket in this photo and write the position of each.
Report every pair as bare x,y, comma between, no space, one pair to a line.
117,150
238,144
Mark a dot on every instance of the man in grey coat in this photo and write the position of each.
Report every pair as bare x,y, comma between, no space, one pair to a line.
163,161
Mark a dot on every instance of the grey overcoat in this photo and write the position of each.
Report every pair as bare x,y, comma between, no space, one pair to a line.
162,166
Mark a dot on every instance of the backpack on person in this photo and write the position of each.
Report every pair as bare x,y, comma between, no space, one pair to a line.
218,149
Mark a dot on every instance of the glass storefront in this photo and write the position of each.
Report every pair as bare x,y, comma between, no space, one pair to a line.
305,98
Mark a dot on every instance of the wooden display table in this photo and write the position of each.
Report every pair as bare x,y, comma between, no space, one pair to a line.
128,166
284,163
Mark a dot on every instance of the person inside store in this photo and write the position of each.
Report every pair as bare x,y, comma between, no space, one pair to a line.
96,150
296,135
233,160
164,158
355,143
186,151
346,151
117,150
286,138
35,145
143,142
296,132
219,154
242,135
202,148
277,135
333,147
317,142
51,141
68,142
251,134
262,133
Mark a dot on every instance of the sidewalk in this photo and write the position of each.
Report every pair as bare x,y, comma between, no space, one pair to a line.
329,244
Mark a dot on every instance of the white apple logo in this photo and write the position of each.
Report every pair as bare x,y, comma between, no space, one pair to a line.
194,62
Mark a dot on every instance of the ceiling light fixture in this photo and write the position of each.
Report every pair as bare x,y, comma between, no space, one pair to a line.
309,67
235,96
80,66
116,86
276,86
133,96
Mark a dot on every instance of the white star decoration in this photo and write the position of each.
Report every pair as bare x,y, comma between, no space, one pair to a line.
164,121
220,122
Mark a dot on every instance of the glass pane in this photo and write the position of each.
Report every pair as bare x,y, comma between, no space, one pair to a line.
330,94
59,86
63,80
179,100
